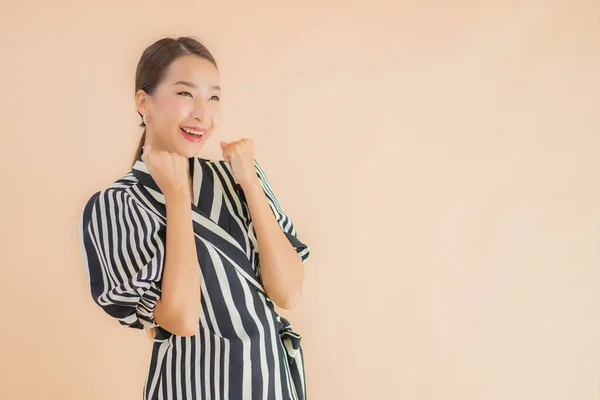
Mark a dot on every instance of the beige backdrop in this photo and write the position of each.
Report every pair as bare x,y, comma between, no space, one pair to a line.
440,157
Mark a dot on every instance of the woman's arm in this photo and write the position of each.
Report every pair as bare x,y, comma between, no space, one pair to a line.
282,270
178,309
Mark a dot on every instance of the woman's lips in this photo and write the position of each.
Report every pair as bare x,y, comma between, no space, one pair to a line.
190,137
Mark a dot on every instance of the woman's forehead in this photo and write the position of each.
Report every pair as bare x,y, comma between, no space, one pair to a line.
194,70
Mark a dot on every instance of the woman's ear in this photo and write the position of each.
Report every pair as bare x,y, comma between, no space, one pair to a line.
141,102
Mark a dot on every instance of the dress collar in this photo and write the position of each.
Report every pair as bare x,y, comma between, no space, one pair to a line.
233,248
140,171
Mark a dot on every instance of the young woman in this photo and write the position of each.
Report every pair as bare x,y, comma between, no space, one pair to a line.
198,252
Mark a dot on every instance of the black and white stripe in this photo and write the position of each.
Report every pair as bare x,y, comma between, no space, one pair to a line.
244,349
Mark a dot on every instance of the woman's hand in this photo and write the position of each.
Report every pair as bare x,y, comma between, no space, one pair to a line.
170,171
240,154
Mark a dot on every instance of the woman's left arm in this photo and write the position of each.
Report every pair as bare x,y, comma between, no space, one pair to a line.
281,265
282,270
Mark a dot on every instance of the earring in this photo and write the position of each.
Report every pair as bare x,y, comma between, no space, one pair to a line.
144,119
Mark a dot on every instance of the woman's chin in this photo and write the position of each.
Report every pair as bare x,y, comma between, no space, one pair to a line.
189,150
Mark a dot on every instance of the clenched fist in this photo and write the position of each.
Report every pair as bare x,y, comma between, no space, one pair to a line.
170,171
240,154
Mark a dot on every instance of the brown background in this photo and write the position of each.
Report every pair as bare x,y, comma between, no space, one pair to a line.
440,157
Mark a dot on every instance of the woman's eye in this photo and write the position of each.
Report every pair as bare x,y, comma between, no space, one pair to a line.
215,97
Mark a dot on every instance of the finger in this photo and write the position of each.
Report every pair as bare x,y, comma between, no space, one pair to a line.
227,151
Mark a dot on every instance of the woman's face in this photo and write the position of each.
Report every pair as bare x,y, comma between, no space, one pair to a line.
187,97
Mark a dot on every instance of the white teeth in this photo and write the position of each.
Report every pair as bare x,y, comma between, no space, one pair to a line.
192,132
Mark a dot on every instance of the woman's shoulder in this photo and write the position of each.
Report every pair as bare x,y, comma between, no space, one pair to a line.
115,196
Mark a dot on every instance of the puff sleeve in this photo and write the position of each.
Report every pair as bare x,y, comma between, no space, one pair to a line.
123,249
283,220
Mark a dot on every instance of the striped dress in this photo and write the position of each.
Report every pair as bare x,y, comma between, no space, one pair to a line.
244,349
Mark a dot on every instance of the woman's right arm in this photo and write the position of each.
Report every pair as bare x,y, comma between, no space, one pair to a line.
178,309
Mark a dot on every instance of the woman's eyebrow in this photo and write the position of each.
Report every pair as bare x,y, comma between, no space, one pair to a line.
190,84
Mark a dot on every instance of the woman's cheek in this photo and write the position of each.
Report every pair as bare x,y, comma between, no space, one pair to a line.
216,118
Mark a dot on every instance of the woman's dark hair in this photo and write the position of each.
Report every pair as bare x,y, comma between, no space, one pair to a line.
154,62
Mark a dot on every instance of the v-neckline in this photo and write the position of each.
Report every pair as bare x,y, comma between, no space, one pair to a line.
215,231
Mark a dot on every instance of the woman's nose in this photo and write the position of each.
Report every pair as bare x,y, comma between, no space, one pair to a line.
199,112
